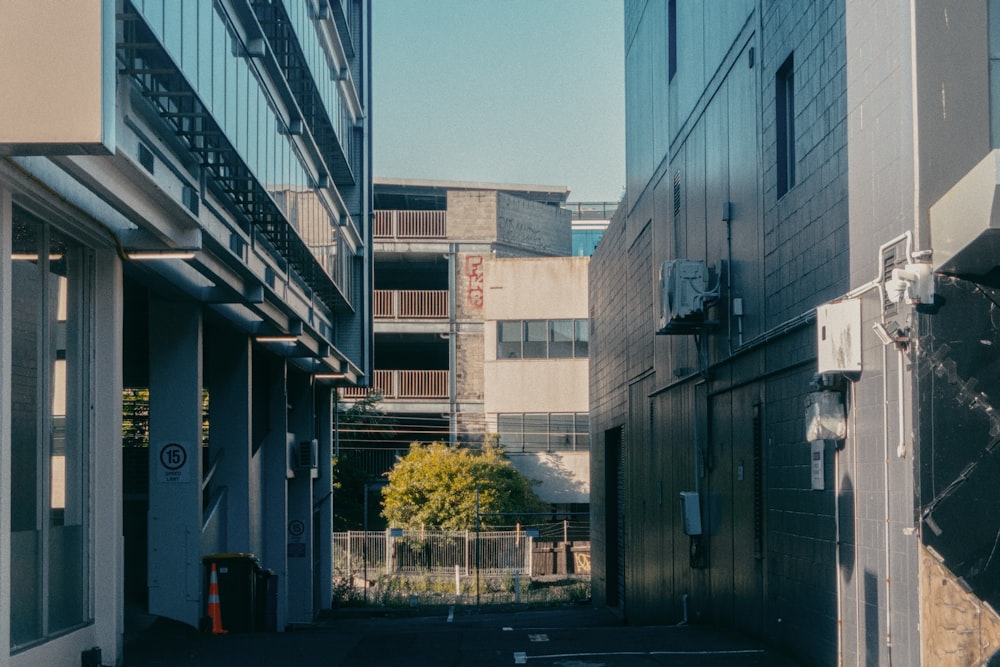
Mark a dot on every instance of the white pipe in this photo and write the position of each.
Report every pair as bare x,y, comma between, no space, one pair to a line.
857,580
901,445
836,542
885,501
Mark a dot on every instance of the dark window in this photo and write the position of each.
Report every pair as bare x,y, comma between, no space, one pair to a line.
784,85
542,339
560,339
582,431
582,338
536,432
671,39
561,432
511,428
542,432
509,339
536,337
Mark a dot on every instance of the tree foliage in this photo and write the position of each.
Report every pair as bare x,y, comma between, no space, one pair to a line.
434,486
362,423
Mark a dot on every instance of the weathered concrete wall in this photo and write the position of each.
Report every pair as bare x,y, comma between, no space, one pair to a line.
526,228
472,215
541,288
564,477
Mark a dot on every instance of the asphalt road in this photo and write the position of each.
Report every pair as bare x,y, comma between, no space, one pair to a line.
567,636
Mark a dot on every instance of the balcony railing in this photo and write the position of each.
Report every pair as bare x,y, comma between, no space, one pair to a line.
410,224
404,385
411,304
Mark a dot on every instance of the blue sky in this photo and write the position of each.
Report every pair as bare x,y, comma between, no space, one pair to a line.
506,91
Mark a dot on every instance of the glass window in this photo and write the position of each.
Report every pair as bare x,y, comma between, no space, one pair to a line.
581,348
536,433
560,339
51,322
536,337
784,104
582,431
561,432
511,428
509,339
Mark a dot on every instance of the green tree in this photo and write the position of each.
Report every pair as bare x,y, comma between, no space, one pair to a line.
434,486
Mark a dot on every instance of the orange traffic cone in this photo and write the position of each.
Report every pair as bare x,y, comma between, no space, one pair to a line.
214,608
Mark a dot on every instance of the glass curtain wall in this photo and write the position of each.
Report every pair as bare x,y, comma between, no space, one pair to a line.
205,48
51,322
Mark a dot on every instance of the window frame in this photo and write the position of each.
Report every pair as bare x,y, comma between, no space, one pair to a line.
784,122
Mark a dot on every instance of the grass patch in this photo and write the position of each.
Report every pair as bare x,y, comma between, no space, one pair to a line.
426,589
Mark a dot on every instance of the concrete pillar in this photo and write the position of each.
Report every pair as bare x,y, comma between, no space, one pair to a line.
175,468
301,528
228,375
6,333
323,585
109,556
274,451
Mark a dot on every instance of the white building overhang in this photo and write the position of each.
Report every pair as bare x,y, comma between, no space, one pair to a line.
965,222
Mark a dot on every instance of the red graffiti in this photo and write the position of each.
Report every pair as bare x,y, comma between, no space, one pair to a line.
473,271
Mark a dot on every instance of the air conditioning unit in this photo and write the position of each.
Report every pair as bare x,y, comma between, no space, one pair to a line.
305,456
685,295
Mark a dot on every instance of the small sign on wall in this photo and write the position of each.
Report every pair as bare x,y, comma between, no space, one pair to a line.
817,449
173,464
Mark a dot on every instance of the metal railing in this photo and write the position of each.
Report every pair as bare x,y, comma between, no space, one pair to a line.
411,304
404,385
393,224
368,554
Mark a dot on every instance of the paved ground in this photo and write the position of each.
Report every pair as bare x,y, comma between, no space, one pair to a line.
566,636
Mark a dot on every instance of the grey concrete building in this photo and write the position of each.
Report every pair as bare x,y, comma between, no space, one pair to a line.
185,199
793,334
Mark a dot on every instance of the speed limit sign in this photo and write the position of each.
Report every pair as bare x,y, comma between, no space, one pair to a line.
173,463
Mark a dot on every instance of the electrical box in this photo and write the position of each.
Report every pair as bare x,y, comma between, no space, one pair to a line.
838,337
691,512
684,295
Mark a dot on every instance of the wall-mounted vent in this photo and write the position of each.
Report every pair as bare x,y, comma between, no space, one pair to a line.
677,194
306,455
685,295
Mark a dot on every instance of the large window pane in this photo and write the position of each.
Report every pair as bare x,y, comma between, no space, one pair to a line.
561,427
536,337
66,326
582,431
536,433
561,336
511,428
509,339
26,478
49,425
582,339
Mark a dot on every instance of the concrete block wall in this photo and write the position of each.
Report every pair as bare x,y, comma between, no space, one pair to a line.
806,243
472,215
469,377
526,228
608,383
